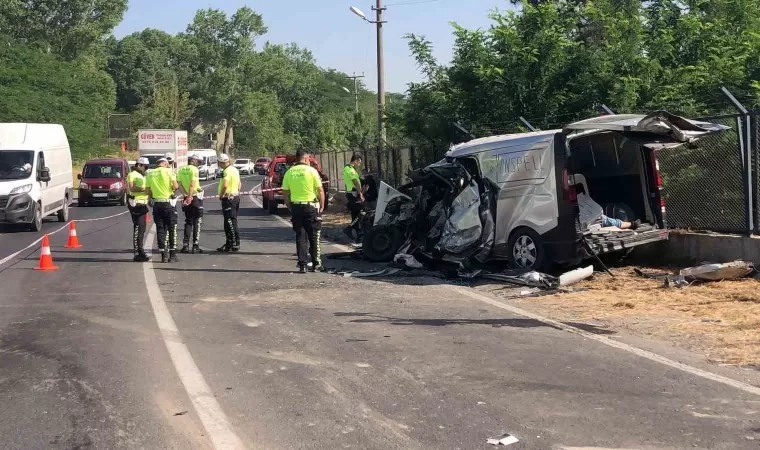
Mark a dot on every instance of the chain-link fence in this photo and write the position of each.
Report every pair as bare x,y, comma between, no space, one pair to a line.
704,185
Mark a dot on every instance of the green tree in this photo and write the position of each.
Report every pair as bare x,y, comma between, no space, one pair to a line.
225,48
41,87
67,28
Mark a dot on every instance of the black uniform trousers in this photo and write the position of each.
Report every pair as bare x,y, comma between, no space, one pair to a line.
230,209
165,216
307,224
193,221
355,207
138,213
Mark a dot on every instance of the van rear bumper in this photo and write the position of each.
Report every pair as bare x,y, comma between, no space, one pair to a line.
18,209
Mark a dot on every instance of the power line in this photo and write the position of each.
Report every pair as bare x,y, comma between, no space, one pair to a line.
412,2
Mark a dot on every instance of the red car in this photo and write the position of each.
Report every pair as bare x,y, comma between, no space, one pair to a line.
271,187
103,181
261,165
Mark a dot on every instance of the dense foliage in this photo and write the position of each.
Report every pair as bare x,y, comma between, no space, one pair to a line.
548,61
555,61
59,63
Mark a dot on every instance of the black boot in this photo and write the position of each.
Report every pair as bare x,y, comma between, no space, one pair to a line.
224,248
164,257
236,247
185,249
196,249
141,257
173,257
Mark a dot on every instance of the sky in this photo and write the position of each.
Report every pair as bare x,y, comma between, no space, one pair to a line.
337,38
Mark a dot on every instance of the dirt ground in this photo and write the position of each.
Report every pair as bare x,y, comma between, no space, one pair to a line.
719,319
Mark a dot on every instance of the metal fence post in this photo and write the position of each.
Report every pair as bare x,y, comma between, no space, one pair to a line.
745,139
754,140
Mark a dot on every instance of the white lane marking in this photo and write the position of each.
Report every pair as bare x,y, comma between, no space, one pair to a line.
611,342
214,420
63,227
603,339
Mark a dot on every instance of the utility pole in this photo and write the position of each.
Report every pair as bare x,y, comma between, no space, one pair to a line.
356,77
379,9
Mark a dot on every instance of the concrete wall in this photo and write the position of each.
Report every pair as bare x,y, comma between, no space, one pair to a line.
716,248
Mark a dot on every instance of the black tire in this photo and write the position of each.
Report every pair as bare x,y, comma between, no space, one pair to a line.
380,243
81,203
272,207
36,224
526,250
265,203
123,200
63,214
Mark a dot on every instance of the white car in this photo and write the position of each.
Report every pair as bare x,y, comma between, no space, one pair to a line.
245,166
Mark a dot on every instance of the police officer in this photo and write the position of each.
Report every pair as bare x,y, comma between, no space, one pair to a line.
354,195
138,207
162,183
305,198
192,204
229,193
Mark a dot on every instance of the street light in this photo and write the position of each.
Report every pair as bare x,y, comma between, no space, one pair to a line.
346,89
379,9
359,13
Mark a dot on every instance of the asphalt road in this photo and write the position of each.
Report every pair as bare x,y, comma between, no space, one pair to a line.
247,351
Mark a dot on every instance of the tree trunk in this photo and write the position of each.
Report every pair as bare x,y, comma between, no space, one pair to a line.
227,129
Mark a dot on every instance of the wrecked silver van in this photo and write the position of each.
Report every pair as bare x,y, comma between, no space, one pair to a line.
536,199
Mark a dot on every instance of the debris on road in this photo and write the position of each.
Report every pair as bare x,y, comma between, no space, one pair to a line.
705,272
181,413
505,439
575,276
718,272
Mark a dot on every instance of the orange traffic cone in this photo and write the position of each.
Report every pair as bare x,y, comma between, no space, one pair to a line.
46,258
73,241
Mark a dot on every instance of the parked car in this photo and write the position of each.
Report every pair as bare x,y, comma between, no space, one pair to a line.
516,197
261,165
271,186
245,166
103,181
35,173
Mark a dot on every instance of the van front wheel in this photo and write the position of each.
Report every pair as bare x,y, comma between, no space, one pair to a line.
526,250
36,224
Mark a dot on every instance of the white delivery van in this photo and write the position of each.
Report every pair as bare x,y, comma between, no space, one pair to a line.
209,165
35,173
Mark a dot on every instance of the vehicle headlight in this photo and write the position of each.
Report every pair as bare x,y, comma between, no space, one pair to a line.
83,186
118,185
25,189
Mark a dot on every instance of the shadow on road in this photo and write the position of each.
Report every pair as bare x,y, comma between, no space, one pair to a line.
216,270
496,323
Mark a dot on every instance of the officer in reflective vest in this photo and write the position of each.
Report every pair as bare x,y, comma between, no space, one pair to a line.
192,205
138,207
162,183
354,196
229,193
305,198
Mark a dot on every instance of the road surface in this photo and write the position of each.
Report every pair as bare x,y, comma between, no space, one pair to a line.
237,351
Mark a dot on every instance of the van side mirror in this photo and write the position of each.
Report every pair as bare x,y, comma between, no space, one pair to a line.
44,175
79,176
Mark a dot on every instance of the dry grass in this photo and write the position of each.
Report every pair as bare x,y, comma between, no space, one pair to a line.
721,318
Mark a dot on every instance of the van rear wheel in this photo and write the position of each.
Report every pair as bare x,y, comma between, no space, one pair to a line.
63,214
526,250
